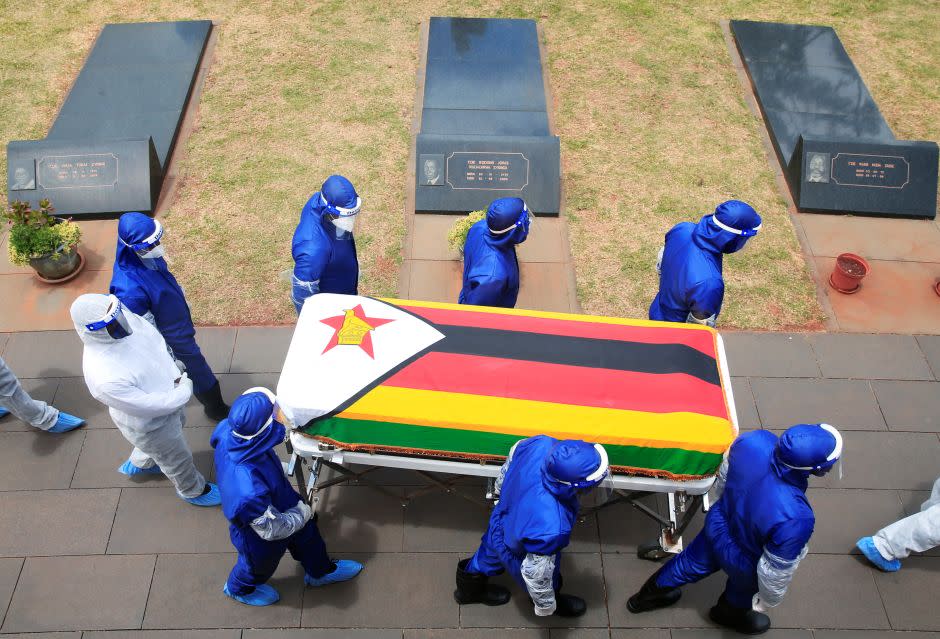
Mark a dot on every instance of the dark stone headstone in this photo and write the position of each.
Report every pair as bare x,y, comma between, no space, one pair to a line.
865,177
465,173
484,126
807,85
134,87
82,178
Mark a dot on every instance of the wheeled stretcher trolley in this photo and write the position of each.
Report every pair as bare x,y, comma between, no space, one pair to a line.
445,390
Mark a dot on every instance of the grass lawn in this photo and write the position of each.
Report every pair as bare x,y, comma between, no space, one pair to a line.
653,126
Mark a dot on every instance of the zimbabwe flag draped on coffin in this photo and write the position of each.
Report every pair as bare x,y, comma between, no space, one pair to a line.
467,382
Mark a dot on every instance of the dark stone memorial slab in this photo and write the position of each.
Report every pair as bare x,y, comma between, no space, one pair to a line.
809,90
865,177
119,122
82,177
484,125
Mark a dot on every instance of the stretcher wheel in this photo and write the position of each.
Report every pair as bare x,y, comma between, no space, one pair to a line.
651,552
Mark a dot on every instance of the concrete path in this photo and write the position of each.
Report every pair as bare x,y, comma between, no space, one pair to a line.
85,550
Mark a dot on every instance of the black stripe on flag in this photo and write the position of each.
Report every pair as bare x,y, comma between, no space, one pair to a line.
578,351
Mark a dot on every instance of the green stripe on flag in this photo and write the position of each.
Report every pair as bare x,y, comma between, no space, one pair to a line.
677,461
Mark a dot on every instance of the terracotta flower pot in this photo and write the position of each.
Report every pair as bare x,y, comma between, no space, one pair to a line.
936,287
848,273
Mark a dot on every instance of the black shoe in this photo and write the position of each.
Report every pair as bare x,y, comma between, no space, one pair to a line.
743,620
472,587
651,596
213,405
569,605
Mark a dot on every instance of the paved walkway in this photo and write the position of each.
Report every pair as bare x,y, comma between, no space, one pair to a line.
84,549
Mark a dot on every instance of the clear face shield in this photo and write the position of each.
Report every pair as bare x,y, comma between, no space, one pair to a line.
278,414
525,220
113,321
834,460
150,248
743,234
598,487
343,219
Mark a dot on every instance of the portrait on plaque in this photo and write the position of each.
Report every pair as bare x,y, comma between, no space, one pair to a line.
24,175
817,169
432,170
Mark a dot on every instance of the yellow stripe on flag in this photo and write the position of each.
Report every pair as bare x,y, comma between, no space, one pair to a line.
591,319
690,431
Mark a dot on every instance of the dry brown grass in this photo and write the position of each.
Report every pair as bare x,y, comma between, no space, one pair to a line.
654,130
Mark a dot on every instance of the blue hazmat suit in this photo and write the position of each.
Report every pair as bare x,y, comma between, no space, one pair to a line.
690,279
147,288
531,524
256,493
758,529
325,258
490,266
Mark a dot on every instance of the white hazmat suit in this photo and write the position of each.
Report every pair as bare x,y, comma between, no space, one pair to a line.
144,390
917,533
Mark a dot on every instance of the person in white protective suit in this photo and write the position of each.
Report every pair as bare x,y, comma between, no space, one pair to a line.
16,401
127,368
918,533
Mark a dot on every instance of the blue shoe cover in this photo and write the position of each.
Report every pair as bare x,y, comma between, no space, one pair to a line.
263,595
211,498
65,423
345,570
128,468
868,548
4,412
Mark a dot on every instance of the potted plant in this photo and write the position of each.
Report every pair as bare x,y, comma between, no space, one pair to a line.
44,242
457,236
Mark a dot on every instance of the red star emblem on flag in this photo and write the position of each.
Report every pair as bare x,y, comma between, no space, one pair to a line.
353,328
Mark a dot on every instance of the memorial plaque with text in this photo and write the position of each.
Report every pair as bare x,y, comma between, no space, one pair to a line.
84,177
489,171
870,178
95,170
479,169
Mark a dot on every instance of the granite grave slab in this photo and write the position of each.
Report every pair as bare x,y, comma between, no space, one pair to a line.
108,149
485,129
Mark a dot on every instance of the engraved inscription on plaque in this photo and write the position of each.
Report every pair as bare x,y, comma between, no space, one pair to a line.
490,171
874,171
78,171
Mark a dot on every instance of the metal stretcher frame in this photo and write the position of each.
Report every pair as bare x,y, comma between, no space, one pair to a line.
685,498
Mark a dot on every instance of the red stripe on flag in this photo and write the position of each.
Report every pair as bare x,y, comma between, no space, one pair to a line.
561,384
699,340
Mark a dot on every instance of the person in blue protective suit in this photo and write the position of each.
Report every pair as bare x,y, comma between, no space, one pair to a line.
324,248
266,515
758,529
538,490
144,284
691,287
490,266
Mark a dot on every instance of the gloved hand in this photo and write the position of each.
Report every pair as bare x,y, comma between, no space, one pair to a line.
180,365
758,605
304,510
185,381
545,612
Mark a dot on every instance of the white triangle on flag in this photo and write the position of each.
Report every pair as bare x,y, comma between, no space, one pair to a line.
329,362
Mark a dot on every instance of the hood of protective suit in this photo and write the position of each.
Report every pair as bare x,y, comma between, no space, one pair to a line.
134,228
89,308
248,415
803,446
502,214
571,460
338,191
733,213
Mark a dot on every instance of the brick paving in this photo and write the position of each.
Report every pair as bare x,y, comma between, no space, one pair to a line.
86,552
